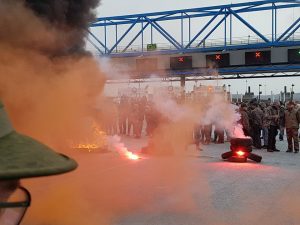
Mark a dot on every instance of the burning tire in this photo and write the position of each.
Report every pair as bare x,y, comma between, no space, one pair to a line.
239,147
241,150
246,142
237,159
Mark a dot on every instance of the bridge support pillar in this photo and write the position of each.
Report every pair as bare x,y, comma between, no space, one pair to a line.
182,81
182,84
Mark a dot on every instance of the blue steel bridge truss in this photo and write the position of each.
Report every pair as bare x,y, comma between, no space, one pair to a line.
223,14
220,16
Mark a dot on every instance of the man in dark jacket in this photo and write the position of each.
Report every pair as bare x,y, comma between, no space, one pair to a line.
292,120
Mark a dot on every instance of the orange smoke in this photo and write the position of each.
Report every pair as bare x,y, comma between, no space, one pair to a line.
54,100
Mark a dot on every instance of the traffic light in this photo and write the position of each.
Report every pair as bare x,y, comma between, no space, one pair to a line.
258,58
257,55
218,60
181,63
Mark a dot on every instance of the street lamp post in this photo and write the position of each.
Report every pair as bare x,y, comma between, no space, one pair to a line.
259,92
292,93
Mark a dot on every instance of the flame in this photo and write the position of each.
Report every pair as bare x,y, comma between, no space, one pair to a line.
240,153
96,140
88,147
121,149
99,140
124,151
132,156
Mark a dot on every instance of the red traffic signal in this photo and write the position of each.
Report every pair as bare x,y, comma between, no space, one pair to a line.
257,54
218,57
180,59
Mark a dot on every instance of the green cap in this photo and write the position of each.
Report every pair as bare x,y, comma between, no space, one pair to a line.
24,157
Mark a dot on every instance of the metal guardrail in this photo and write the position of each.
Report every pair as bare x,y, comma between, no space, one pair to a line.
210,43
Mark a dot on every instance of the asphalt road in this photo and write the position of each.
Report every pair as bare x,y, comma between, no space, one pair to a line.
195,188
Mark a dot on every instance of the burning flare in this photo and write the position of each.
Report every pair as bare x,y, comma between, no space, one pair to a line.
132,156
99,140
121,149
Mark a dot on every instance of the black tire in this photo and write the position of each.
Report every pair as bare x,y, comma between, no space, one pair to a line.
254,157
247,141
238,159
226,155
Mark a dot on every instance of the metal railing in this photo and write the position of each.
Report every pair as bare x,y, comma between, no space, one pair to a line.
210,43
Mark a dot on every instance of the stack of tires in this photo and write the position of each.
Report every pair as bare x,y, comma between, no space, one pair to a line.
244,143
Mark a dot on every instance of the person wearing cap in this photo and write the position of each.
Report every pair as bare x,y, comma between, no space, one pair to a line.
292,120
23,157
272,117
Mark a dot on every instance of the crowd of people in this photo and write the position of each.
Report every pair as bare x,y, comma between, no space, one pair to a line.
130,116
267,120
262,121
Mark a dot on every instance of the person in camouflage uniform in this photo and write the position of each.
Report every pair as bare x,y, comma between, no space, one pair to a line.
292,120
272,117
257,116
207,129
140,116
281,121
244,121
219,134
133,117
263,107
123,115
197,135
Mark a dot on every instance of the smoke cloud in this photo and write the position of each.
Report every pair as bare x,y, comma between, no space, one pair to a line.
182,118
53,93
52,90
48,91
70,17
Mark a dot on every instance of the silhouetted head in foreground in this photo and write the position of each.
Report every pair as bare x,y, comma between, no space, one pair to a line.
23,157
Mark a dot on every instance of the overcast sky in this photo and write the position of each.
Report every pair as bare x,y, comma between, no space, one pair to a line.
122,7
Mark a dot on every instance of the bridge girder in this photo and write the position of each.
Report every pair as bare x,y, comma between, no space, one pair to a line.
222,15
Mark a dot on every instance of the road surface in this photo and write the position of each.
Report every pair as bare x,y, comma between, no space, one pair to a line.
195,188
